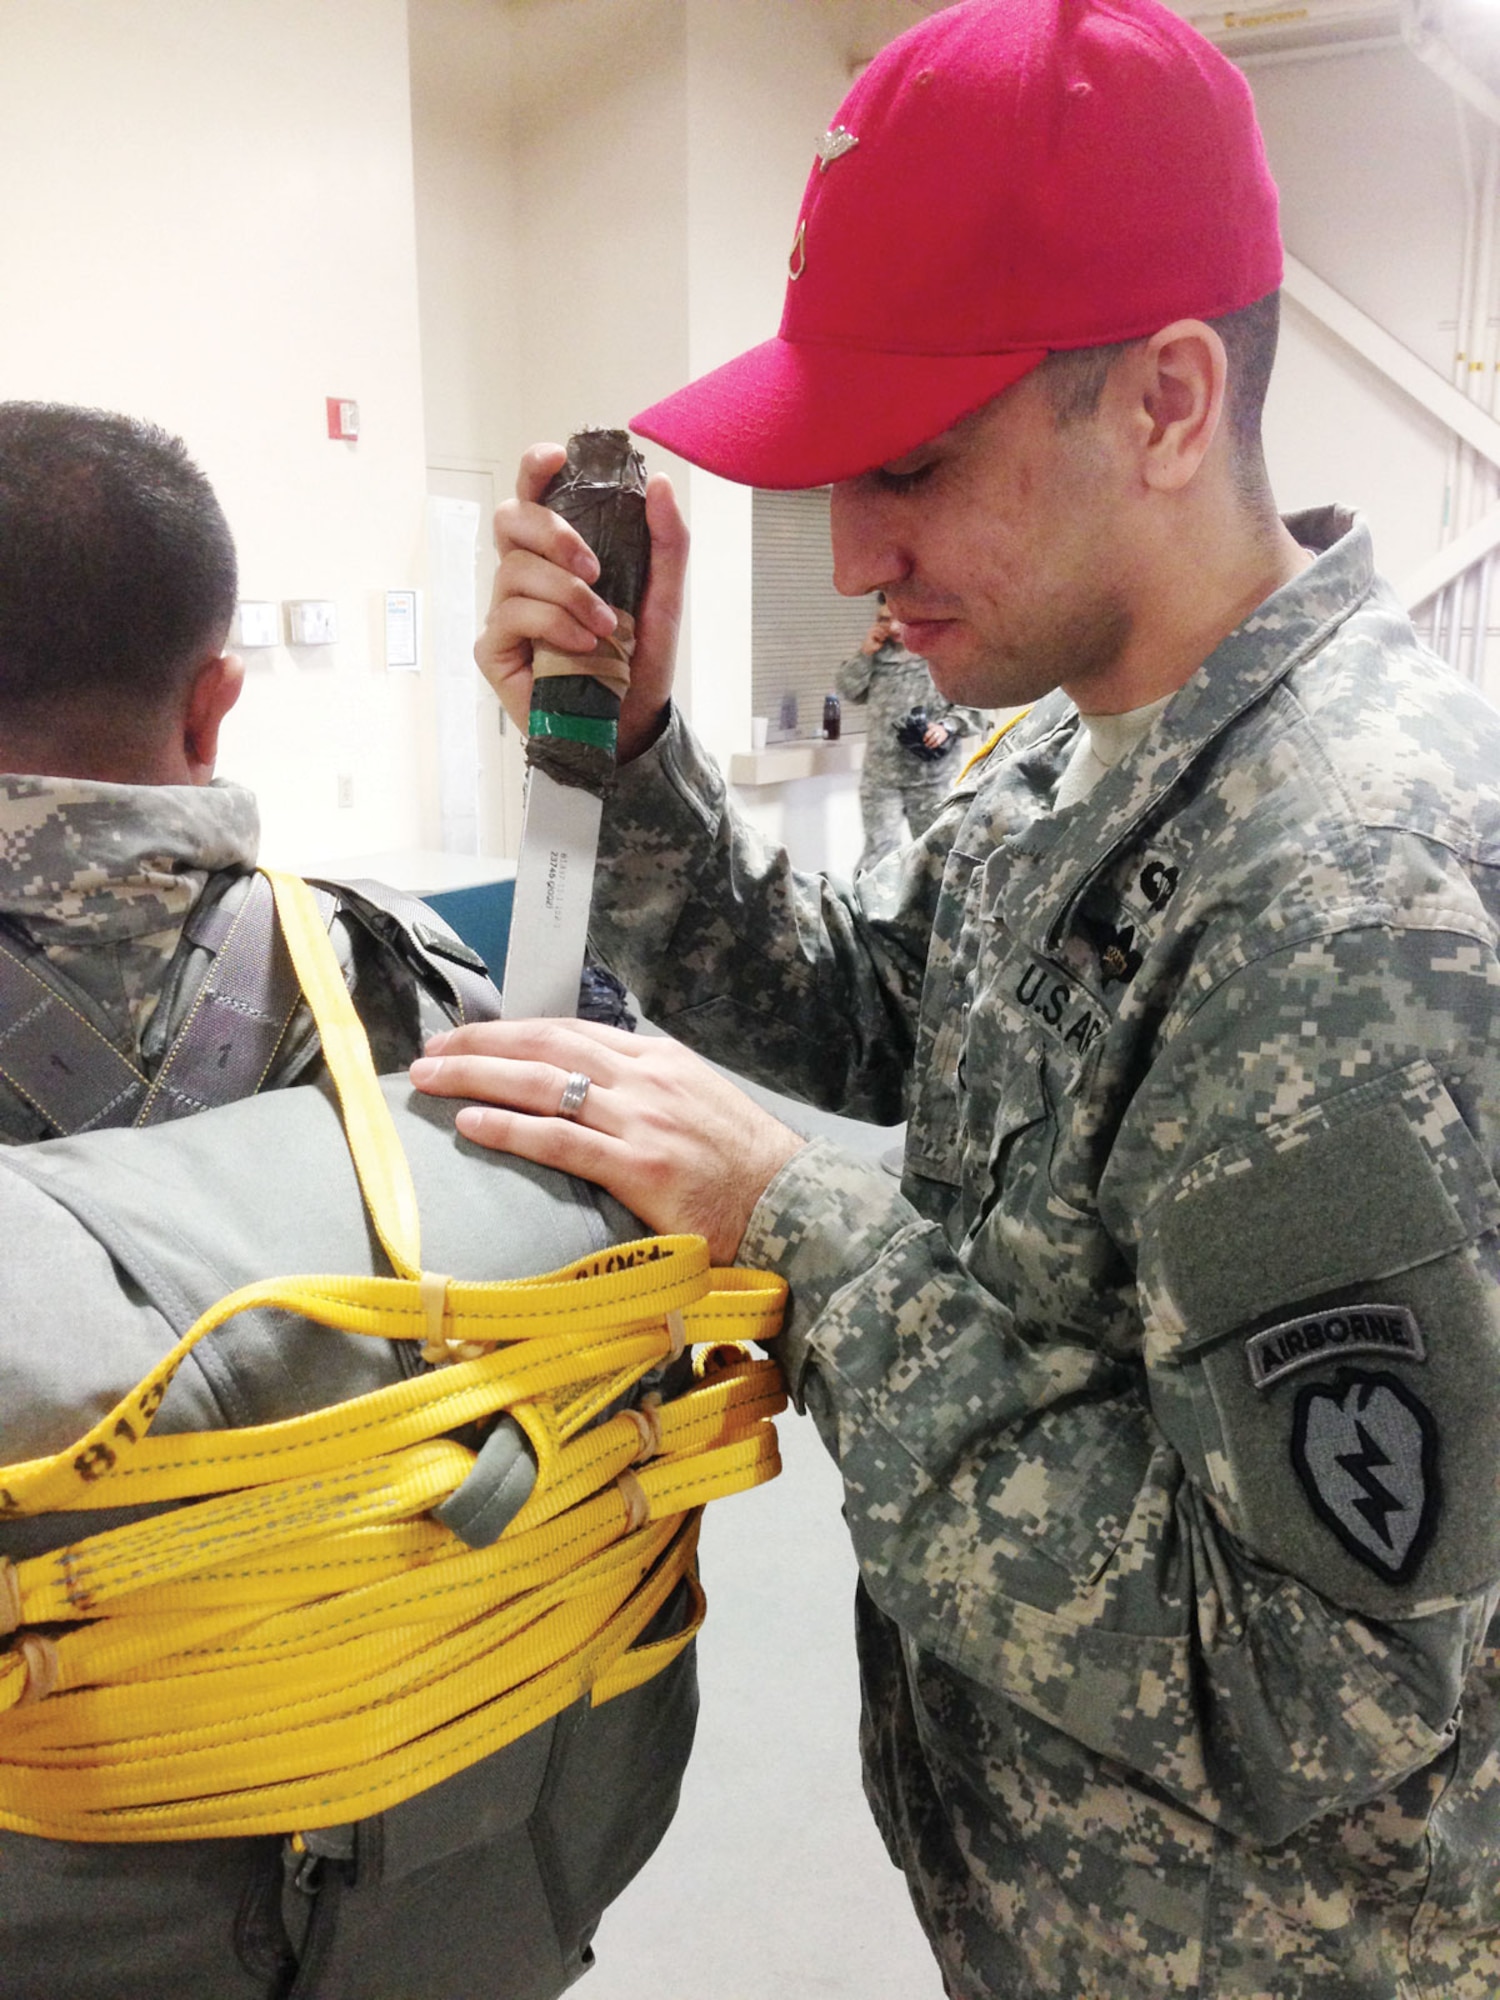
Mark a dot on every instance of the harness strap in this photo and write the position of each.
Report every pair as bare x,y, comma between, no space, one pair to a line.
439,947
229,1039
69,1070
52,1053
384,1176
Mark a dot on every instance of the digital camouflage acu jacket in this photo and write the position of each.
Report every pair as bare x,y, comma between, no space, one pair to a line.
1166,1389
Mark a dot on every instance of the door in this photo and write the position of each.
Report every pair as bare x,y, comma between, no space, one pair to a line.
481,765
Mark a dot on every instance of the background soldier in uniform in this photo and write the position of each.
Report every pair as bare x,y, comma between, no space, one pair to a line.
1165,1389
900,782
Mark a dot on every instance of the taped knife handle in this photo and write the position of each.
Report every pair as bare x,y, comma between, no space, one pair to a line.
575,703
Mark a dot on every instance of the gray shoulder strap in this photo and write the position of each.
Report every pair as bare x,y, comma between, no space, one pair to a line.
228,1041
69,1070
433,943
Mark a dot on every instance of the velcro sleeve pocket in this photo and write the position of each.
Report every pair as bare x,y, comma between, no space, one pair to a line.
1323,1342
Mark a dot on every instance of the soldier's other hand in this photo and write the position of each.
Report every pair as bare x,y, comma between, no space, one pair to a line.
936,737
663,1132
542,594
878,633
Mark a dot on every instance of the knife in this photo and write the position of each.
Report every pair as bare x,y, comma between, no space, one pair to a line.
570,745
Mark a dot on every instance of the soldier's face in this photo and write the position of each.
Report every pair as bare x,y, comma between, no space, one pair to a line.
1000,546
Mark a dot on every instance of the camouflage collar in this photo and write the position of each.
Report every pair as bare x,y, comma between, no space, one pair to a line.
115,861
1292,624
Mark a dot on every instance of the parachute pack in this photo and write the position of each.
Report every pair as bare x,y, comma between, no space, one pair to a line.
349,1614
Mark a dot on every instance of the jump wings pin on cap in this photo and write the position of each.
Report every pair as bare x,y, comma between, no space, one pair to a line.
833,145
1031,175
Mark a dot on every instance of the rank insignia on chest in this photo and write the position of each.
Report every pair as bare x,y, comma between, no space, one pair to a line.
1118,957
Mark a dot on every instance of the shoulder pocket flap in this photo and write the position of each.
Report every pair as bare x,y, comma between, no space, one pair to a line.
1373,1182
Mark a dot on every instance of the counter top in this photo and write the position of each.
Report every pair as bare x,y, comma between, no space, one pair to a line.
809,757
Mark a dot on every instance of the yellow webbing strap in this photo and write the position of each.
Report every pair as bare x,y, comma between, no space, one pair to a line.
384,1176
990,741
301,1643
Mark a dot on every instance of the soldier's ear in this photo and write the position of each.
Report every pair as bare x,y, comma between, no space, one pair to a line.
214,690
1175,384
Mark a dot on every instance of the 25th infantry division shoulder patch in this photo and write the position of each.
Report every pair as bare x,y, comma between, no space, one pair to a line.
1366,1452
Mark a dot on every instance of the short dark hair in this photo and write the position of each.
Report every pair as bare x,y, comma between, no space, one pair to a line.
117,567
1074,380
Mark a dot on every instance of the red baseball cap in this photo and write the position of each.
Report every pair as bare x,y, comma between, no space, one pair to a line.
1007,178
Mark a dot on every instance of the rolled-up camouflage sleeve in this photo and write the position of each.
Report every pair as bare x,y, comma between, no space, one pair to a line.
959,721
799,981
853,677
1255,1562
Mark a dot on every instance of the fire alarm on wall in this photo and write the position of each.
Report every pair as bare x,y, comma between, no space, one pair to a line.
343,419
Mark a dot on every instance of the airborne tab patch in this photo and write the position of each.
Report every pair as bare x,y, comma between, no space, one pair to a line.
1366,1453
1299,1343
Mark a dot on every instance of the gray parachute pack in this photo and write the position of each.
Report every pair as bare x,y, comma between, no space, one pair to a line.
491,1881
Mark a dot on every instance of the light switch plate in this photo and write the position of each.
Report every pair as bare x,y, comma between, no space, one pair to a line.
312,621
255,623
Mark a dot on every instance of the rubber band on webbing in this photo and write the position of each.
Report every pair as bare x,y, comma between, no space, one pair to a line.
637,1506
440,1349
434,1286
645,1415
10,1597
42,1665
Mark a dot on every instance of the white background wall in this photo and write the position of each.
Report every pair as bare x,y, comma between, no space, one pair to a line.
208,220
1365,150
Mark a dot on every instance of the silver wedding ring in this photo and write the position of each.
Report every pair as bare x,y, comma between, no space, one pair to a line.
575,1090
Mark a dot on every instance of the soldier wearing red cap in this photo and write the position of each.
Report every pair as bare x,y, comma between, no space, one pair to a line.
1165,1389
